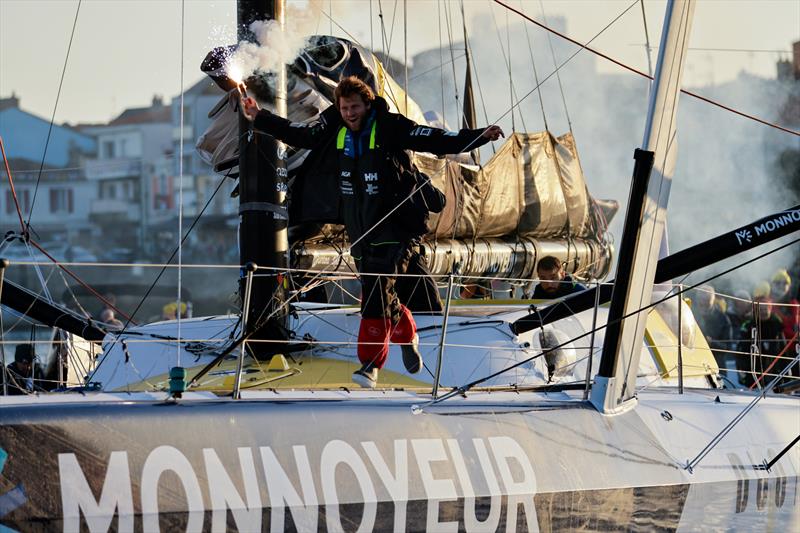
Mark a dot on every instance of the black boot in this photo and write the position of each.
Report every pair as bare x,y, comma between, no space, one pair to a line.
411,356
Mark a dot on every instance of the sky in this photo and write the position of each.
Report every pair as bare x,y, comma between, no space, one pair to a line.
125,51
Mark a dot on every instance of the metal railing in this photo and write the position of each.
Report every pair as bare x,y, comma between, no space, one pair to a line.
575,372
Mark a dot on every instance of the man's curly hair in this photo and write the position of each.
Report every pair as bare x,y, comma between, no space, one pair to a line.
350,86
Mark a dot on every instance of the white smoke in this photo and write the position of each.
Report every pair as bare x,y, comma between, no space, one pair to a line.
275,46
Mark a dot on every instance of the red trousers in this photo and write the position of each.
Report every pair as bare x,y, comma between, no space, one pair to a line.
374,335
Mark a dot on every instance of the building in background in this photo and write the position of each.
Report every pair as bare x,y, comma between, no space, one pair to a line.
59,210
214,238
131,150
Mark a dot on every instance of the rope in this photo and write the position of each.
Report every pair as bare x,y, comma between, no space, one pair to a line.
647,41
507,61
11,186
405,51
774,360
466,148
161,273
727,429
558,75
448,24
535,73
53,117
432,69
666,126
469,145
464,388
441,59
640,73
570,58
74,276
478,82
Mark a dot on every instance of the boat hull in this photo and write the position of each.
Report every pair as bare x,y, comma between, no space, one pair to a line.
385,461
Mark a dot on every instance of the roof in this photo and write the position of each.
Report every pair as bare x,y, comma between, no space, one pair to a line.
204,86
7,103
143,115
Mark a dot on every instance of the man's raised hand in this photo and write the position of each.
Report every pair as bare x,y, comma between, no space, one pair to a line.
493,132
250,108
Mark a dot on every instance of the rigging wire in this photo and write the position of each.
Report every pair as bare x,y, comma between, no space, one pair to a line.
535,73
282,305
470,144
666,126
391,30
558,75
745,50
11,186
180,188
468,50
74,276
118,334
433,69
513,92
508,66
53,117
405,52
441,58
507,60
635,71
571,57
691,465
647,41
448,25
673,293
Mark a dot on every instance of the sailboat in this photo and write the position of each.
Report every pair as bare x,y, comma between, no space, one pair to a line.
525,419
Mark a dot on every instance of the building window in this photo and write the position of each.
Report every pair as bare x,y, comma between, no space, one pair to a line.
187,115
108,190
61,201
108,149
24,198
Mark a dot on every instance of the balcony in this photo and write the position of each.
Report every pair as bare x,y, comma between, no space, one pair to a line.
112,209
121,167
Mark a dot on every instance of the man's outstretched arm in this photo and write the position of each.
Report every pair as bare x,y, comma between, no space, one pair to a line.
440,142
298,135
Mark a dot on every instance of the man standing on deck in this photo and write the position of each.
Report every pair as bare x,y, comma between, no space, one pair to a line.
369,153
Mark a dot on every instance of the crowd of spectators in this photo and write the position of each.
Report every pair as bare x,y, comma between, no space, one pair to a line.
753,335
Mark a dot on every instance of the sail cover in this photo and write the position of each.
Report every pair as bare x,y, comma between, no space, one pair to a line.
533,186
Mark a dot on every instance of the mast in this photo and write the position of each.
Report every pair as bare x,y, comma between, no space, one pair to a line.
262,200
614,389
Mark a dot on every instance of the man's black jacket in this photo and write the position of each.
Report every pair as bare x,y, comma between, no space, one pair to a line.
565,288
315,193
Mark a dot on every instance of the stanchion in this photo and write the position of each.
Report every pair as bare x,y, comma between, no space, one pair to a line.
250,268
